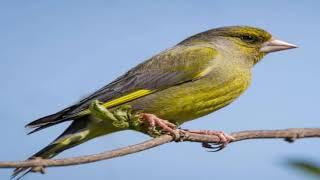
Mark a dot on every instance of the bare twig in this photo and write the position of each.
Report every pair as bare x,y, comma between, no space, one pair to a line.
288,134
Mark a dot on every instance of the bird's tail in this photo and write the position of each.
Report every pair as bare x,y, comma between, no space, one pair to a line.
78,132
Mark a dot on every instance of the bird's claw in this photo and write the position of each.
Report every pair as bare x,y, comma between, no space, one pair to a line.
224,139
153,122
215,147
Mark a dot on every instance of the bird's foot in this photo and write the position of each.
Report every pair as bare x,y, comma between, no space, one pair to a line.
224,139
154,122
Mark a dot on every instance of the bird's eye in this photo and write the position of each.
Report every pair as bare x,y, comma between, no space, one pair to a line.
249,39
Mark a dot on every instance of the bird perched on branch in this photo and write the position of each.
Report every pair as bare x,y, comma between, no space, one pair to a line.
199,75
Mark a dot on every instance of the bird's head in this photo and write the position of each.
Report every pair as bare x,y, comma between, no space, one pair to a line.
249,41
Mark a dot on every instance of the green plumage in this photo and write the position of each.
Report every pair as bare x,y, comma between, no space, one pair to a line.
224,82
196,77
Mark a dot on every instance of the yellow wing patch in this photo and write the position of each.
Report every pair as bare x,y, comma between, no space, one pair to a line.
127,98
121,100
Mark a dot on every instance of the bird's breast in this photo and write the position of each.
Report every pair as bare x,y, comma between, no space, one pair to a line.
195,99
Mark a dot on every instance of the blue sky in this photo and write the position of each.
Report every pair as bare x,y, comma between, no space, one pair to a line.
52,53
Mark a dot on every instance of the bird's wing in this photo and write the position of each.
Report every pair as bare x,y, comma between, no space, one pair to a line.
172,67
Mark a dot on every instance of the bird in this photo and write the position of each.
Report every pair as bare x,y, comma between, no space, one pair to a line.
197,76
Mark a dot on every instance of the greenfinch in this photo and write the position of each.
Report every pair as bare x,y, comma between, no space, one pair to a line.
199,75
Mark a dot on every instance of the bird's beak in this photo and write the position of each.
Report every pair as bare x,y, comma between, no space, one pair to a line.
276,45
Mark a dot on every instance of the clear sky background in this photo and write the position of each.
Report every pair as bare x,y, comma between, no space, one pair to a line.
52,53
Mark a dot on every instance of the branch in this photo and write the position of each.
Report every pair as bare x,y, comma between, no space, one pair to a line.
288,134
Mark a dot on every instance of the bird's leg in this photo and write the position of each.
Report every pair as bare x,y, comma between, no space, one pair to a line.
224,138
153,122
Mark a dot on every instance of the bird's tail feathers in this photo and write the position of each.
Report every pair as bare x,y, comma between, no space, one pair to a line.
76,134
51,120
